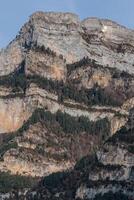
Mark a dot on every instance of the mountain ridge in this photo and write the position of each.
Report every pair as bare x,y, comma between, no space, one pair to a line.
67,86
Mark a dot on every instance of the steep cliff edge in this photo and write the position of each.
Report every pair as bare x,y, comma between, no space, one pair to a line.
65,87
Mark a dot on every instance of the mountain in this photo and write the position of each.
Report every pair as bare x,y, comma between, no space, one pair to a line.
106,175
66,95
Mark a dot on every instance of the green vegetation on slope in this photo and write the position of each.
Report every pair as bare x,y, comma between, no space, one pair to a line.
6,146
94,96
68,123
16,80
10,182
112,196
64,123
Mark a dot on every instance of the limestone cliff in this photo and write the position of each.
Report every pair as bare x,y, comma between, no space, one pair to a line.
107,175
65,87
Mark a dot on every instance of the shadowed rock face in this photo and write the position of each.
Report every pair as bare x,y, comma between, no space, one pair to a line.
66,86
114,170
107,175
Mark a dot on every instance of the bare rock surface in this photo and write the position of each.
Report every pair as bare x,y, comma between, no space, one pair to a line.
66,86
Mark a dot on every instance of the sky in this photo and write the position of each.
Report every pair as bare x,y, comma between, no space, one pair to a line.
14,13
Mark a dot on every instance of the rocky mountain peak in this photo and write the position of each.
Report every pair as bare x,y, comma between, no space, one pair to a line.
66,87
55,17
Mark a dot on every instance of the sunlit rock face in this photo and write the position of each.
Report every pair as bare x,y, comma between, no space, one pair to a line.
13,113
103,40
67,36
83,69
109,42
111,31
10,58
57,31
45,66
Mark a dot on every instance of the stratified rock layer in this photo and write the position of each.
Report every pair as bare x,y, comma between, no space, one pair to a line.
65,86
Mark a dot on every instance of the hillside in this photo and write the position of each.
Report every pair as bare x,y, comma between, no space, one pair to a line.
106,175
66,87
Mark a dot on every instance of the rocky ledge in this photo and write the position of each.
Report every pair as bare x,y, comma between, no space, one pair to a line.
66,86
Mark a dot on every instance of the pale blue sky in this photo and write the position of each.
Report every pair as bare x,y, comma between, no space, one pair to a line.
14,13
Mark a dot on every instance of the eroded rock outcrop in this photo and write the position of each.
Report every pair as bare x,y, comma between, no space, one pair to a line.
77,77
108,174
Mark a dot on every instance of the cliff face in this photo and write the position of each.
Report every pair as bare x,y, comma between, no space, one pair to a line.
109,174
103,40
113,172
65,87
